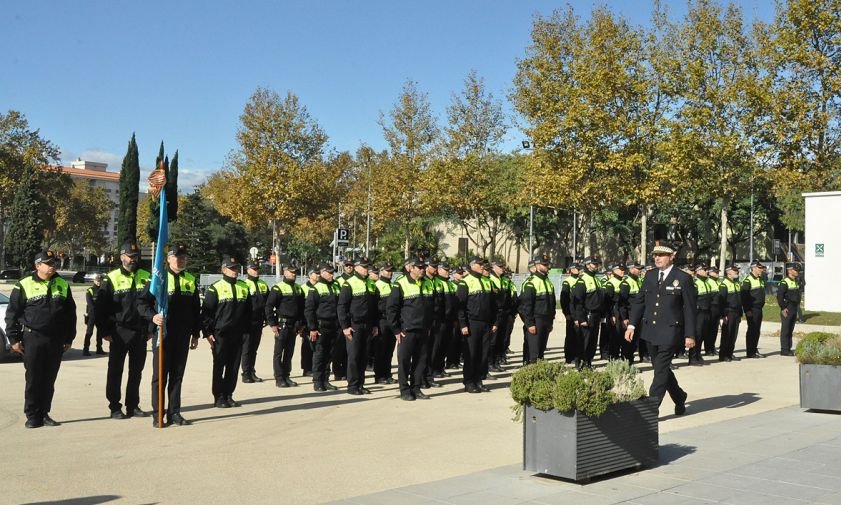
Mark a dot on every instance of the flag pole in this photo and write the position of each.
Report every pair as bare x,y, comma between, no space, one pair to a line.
157,183
161,375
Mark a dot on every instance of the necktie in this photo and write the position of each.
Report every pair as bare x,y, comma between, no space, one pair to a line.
660,280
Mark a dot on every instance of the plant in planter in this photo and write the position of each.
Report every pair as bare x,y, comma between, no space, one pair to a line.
819,355
581,424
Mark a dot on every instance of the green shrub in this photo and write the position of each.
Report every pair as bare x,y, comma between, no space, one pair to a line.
533,384
819,348
627,383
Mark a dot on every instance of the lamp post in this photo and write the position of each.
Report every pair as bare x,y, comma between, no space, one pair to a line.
527,145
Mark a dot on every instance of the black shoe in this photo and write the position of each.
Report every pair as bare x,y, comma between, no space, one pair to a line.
307,373
364,391
471,388
86,352
407,396
440,374
696,362
136,412
340,377
221,404
755,355
232,403
179,420
318,387
118,414
786,353
489,377
281,383
246,379
255,378
49,421
680,407
604,357
101,352
434,384
420,395
380,381
155,422
726,359
495,368
577,364
483,388
354,391
34,423
329,387
289,382
735,358
508,350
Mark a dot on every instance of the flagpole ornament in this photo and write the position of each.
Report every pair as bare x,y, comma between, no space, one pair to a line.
157,180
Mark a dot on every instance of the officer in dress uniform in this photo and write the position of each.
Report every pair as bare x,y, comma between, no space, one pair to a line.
183,328
259,292
127,332
307,346
789,293
753,300
731,317
226,318
285,316
666,310
90,317
385,341
41,325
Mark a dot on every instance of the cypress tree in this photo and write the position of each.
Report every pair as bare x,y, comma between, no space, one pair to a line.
129,188
171,171
172,190
23,240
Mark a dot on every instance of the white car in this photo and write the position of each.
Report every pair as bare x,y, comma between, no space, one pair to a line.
6,347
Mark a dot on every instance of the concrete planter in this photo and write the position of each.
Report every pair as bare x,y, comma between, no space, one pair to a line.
820,387
577,447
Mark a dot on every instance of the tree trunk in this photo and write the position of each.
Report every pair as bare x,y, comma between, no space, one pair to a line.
643,234
723,247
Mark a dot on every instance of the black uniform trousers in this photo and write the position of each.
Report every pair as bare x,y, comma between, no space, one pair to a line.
307,347
509,329
787,328
587,336
754,325
227,354
135,349
90,326
702,328
497,351
642,345
729,332
440,351
664,379
605,337
617,335
339,357
454,347
432,344
42,359
570,341
284,348
410,360
712,334
324,345
176,349
357,355
629,348
537,342
384,344
250,344
475,347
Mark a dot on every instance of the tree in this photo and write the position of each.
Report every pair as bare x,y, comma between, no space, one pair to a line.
207,234
171,194
129,189
25,226
23,153
81,218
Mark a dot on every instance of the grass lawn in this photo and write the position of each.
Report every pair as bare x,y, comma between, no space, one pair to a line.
771,312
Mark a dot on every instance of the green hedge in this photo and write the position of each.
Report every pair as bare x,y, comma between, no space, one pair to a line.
819,348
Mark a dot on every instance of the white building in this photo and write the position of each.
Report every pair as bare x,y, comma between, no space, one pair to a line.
823,251
95,175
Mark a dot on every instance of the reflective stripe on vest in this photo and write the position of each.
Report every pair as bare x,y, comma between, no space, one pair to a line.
540,288
287,289
306,288
701,286
359,287
323,289
186,280
713,285
122,283
260,285
35,290
755,282
790,283
570,281
633,285
613,281
477,285
591,284
414,289
731,285
225,291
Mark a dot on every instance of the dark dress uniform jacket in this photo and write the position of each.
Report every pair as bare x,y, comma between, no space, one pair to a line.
667,312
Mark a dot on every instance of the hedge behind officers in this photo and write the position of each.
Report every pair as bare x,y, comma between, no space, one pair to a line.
41,325
226,318
285,315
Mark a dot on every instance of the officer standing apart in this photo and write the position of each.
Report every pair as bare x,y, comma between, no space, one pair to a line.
409,311
477,317
90,317
226,318
259,292
323,323
731,314
183,328
120,324
285,314
788,297
537,309
753,300
41,326
357,311
666,310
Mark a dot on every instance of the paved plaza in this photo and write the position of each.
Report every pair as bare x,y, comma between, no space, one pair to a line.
743,441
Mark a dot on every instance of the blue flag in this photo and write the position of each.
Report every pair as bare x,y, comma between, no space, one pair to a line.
158,287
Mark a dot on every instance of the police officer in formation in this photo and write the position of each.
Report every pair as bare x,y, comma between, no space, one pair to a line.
385,341
753,300
307,346
433,343
41,325
123,327
570,335
714,284
226,319
90,317
703,321
615,329
586,305
359,320
478,318
507,303
731,313
789,293
320,311
182,332
448,322
537,309
259,292
284,312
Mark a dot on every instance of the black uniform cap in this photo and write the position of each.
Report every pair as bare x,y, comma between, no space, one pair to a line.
756,263
734,267
291,268
230,262
177,250
327,267
45,256
130,249
542,259
592,259
362,262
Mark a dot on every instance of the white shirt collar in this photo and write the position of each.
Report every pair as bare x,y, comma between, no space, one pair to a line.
666,271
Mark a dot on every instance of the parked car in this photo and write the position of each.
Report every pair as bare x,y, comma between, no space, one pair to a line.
11,273
5,345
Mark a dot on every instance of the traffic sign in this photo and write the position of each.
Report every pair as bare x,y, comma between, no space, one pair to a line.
342,236
253,252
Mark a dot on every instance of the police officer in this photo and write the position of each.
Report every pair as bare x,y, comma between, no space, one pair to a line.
614,319
453,358
323,324
788,297
715,310
339,358
536,307
586,304
285,315
307,346
90,317
448,321
636,272
259,292
570,350
226,319
507,307
41,325
731,314
127,332
753,300
628,290
477,317
433,343
409,310
358,319
704,296
183,328
385,340
666,308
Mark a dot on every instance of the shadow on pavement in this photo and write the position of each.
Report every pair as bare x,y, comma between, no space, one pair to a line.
717,402
86,500
673,452
284,408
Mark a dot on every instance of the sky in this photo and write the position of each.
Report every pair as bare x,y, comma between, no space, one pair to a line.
88,74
